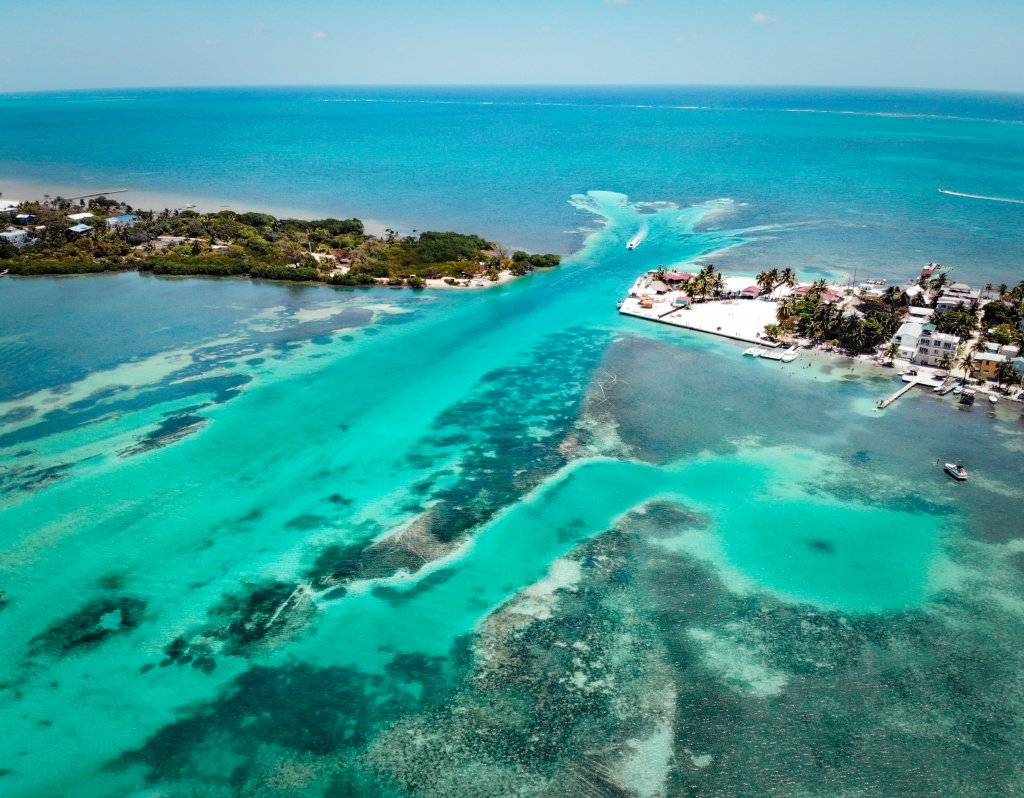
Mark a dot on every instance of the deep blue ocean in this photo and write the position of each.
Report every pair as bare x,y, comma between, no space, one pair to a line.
262,539
858,171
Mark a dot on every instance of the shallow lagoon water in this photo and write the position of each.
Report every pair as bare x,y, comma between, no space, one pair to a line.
295,540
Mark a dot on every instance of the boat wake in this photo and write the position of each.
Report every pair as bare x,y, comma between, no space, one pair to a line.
980,196
636,240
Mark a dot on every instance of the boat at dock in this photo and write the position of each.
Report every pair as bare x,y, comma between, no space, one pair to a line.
789,354
958,472
958,389
636,240
967,397
774,354
945,387
992,398
754,351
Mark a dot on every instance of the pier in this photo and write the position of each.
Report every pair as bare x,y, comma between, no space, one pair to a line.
884,403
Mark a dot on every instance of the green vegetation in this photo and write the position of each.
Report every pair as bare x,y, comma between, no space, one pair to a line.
871,323
257,245
956,322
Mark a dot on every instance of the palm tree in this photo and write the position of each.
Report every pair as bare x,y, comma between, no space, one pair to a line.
947,362
788,277
786,309
892,352
767,280
967,364
1005,373
716,282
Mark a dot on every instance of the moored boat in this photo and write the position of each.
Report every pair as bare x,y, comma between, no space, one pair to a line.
967,397
958,472
754,351
992,398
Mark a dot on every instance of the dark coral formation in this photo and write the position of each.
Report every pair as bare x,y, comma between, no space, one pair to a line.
90,625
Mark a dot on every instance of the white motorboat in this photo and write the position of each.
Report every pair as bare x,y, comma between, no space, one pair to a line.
636,240
754,351
992,398
958,472
790,354
957,390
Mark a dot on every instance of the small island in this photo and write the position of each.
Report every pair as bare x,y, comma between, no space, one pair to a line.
99,234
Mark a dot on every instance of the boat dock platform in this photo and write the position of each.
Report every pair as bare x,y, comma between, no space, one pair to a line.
884,403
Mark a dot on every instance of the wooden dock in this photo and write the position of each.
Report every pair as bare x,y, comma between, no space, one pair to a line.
906,388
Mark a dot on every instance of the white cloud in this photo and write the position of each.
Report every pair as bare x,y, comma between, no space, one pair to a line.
760,18
319,35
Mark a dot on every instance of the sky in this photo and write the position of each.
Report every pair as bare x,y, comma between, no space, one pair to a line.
74,44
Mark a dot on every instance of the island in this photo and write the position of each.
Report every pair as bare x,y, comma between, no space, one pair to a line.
62,236
932,325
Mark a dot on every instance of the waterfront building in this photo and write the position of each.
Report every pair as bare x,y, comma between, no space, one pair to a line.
932,345
79,217
907,337
986,364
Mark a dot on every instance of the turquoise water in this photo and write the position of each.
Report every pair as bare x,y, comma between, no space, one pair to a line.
274,540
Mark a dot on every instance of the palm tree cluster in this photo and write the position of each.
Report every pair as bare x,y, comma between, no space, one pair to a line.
707,282
874,322
770,279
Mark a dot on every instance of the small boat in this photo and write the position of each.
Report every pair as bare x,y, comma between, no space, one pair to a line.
957,390
773,354
754,351
636,240
790,354
619,303
958,472
908,373
967,397
992,398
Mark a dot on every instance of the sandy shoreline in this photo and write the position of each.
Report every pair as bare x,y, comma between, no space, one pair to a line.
145,199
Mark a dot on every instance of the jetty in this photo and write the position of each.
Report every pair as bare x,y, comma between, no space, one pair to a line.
905,389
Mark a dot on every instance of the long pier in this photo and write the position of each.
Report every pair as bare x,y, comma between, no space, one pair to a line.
98,194
905,389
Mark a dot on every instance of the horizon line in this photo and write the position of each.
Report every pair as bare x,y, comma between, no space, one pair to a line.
463,86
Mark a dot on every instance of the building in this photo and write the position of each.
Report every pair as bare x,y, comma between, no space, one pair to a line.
79,229
80,217
828,295
750,292
954,301
920,314
25,218
932,346
986,364
124,220
907,337
18,238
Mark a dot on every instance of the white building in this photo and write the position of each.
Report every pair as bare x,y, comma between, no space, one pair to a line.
932,346
79,217
907,337
124,220
17,237
920,314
